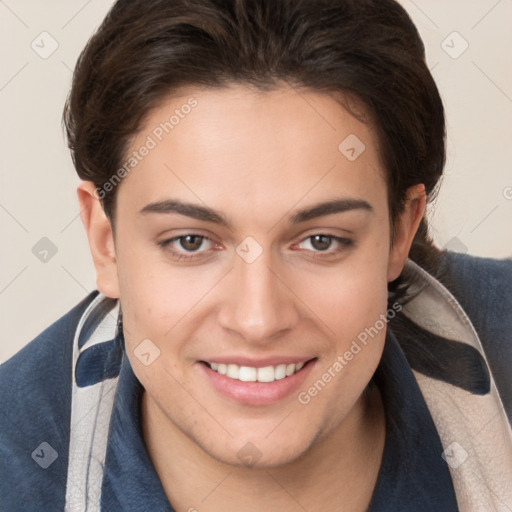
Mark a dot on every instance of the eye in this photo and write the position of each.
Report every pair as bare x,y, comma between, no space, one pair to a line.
184,247
320,244
188,246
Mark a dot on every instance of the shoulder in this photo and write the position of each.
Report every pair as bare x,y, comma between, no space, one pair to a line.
35,389
483,287
50,351
477,269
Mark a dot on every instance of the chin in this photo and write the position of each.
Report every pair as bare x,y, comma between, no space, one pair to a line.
262,453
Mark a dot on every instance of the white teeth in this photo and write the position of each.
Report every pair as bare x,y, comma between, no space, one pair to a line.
280,372
233,371
251,374
266,374
247,374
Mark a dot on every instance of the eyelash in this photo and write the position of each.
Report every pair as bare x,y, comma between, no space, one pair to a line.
345,242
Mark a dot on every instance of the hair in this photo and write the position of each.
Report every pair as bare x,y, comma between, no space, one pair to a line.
363,50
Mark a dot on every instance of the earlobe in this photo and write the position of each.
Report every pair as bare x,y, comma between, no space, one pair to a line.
101,239
406,225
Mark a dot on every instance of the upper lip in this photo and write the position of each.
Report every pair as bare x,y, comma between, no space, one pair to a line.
258,363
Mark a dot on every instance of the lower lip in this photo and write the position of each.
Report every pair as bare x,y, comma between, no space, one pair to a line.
257,393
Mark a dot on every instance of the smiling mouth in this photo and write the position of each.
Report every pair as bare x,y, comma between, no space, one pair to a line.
252,374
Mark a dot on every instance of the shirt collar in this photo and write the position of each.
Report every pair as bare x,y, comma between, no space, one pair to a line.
413,475
130,481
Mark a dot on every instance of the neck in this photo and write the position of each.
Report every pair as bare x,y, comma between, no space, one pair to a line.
337,473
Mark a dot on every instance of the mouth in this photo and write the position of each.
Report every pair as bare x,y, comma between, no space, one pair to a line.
269,373
261,383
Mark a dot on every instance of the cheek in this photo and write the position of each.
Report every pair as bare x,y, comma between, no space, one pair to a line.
352,303
165,304
352,297
154,293
148,301
354,309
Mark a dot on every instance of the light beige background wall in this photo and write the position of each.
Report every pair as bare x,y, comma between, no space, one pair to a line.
40,41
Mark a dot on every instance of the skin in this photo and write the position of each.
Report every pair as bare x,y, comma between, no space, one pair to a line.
257,158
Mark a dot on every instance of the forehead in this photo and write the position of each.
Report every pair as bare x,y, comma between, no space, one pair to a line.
271,146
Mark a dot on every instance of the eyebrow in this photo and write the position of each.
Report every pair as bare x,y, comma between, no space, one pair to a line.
209,215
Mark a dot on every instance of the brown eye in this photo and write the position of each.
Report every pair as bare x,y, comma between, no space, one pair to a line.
191,242
188,247
325,245
321,242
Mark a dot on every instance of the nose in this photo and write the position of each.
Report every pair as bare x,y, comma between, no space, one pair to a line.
259,305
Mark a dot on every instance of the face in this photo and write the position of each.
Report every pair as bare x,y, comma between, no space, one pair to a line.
252,240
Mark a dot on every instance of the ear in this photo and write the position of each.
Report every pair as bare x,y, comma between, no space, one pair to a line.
406,226
101,239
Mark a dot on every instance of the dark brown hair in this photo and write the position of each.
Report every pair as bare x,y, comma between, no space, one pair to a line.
364,49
